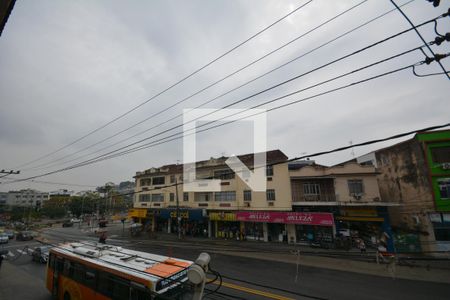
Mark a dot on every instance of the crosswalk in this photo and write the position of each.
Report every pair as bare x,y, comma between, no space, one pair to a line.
15,253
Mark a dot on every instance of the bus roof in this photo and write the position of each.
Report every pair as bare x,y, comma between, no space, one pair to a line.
151,268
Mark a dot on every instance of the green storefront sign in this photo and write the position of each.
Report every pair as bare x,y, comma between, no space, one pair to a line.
437,148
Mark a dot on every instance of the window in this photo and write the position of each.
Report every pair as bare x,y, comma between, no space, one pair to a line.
270,195
444,188
440,155
441,226
185,196
144,198
159,180
172,197
225,196
172,178
247,195
157,197
355,186
269,171
202,197
311,189
144,182
224,174
90,278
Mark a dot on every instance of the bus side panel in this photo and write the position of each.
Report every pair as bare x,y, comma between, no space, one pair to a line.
49,281
78,291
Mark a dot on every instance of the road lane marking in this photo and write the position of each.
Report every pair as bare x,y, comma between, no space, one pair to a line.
10,254
253,291
21,251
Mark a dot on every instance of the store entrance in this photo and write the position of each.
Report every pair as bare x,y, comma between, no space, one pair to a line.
277,232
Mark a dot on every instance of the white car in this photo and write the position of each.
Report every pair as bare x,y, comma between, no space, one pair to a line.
4,238
75,220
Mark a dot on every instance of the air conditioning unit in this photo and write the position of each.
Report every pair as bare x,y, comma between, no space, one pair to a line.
271,204
247,204
357,196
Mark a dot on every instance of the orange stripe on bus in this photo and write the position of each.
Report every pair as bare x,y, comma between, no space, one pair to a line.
163,270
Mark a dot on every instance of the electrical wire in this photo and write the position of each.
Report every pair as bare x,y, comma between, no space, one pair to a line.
209,86
222,124
420,36
164,140
54,162
270,88
171,86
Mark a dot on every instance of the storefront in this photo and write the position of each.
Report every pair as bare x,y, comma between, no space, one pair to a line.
371,224
192,221
224,225
287,226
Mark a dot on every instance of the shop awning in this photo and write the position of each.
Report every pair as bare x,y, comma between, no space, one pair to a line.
365,219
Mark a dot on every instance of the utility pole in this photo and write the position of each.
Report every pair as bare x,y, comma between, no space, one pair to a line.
178,207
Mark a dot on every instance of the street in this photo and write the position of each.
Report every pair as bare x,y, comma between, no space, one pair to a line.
243,277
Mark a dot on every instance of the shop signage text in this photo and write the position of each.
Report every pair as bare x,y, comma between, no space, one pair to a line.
323,219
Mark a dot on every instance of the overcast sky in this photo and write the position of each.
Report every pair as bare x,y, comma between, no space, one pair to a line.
69,67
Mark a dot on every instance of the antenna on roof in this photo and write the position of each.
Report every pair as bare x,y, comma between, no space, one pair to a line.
353,149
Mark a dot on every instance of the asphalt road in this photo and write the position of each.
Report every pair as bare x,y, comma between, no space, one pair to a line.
247,278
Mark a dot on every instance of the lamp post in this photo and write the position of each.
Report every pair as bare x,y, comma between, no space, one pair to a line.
178,208
81,214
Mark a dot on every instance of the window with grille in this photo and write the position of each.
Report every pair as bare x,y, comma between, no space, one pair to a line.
270,195
355,186
225,196
247,195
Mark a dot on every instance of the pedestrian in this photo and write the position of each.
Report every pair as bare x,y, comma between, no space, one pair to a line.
362,246
102,238
1,259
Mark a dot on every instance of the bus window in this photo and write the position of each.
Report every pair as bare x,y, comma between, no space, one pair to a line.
121,288
90,278
78,272
68,268
51,261
113,286
59,264
105,285
138,292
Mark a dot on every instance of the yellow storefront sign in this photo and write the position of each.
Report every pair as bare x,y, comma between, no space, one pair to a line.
183,214
137,213
222,216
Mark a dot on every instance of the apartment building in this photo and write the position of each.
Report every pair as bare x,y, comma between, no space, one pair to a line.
25,197
416,173
344,200
234,212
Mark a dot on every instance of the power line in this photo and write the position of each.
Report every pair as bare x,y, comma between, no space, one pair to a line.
420,36
281,106
206,88
279,84
164,140
171,86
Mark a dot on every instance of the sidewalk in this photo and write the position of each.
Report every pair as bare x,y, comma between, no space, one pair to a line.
12,282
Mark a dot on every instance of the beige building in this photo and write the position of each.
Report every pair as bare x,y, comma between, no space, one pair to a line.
228,213
349,191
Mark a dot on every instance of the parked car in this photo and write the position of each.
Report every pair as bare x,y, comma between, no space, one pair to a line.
75,220
4,238
10,234
40,254
24,236
67,223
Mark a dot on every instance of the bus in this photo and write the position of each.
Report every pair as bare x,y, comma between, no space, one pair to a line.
89,270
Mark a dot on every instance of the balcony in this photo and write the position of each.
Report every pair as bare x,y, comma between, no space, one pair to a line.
314,198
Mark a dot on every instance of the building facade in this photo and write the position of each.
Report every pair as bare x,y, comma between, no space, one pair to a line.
416,173
234,212
349,193
24,198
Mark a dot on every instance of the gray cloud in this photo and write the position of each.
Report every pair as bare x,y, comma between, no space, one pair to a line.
76,65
